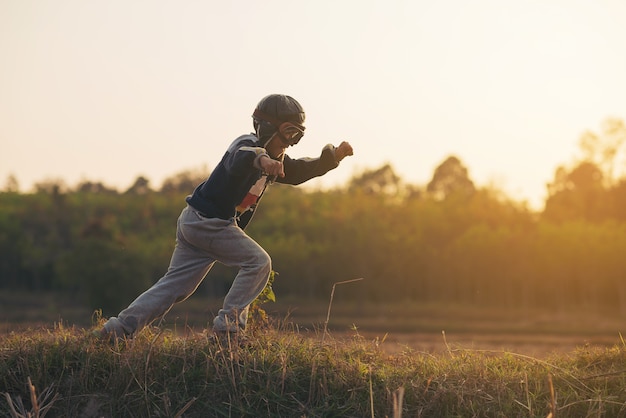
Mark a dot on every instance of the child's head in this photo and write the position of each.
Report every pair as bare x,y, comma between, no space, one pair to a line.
279,114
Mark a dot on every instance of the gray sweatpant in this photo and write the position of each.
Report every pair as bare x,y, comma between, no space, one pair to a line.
200,242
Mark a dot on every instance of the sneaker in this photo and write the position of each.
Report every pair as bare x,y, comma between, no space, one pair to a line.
110,332
226,324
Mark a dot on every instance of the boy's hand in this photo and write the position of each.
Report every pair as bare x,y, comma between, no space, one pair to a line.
272,167
343,150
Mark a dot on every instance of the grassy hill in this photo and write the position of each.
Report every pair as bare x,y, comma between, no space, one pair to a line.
289,373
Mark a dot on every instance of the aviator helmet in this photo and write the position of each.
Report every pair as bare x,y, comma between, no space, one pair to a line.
279,114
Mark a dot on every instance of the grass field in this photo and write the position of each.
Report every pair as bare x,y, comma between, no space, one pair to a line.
284,373
377,360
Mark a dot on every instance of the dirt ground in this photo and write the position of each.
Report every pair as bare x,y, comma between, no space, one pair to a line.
533,345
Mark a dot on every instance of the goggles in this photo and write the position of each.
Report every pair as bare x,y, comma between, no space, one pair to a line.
290,133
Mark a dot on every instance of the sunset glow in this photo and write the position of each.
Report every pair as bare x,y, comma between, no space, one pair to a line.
108,91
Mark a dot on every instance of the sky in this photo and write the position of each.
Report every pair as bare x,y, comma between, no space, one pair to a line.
112,90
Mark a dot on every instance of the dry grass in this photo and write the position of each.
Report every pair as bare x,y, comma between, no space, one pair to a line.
287,373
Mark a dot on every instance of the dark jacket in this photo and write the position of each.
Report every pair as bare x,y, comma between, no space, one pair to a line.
239,170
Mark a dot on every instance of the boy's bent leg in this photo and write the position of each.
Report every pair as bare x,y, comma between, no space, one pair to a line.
235,248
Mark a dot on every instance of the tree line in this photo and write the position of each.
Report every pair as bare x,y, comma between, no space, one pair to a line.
448,241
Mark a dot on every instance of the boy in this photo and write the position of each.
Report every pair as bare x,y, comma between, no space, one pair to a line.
211,227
